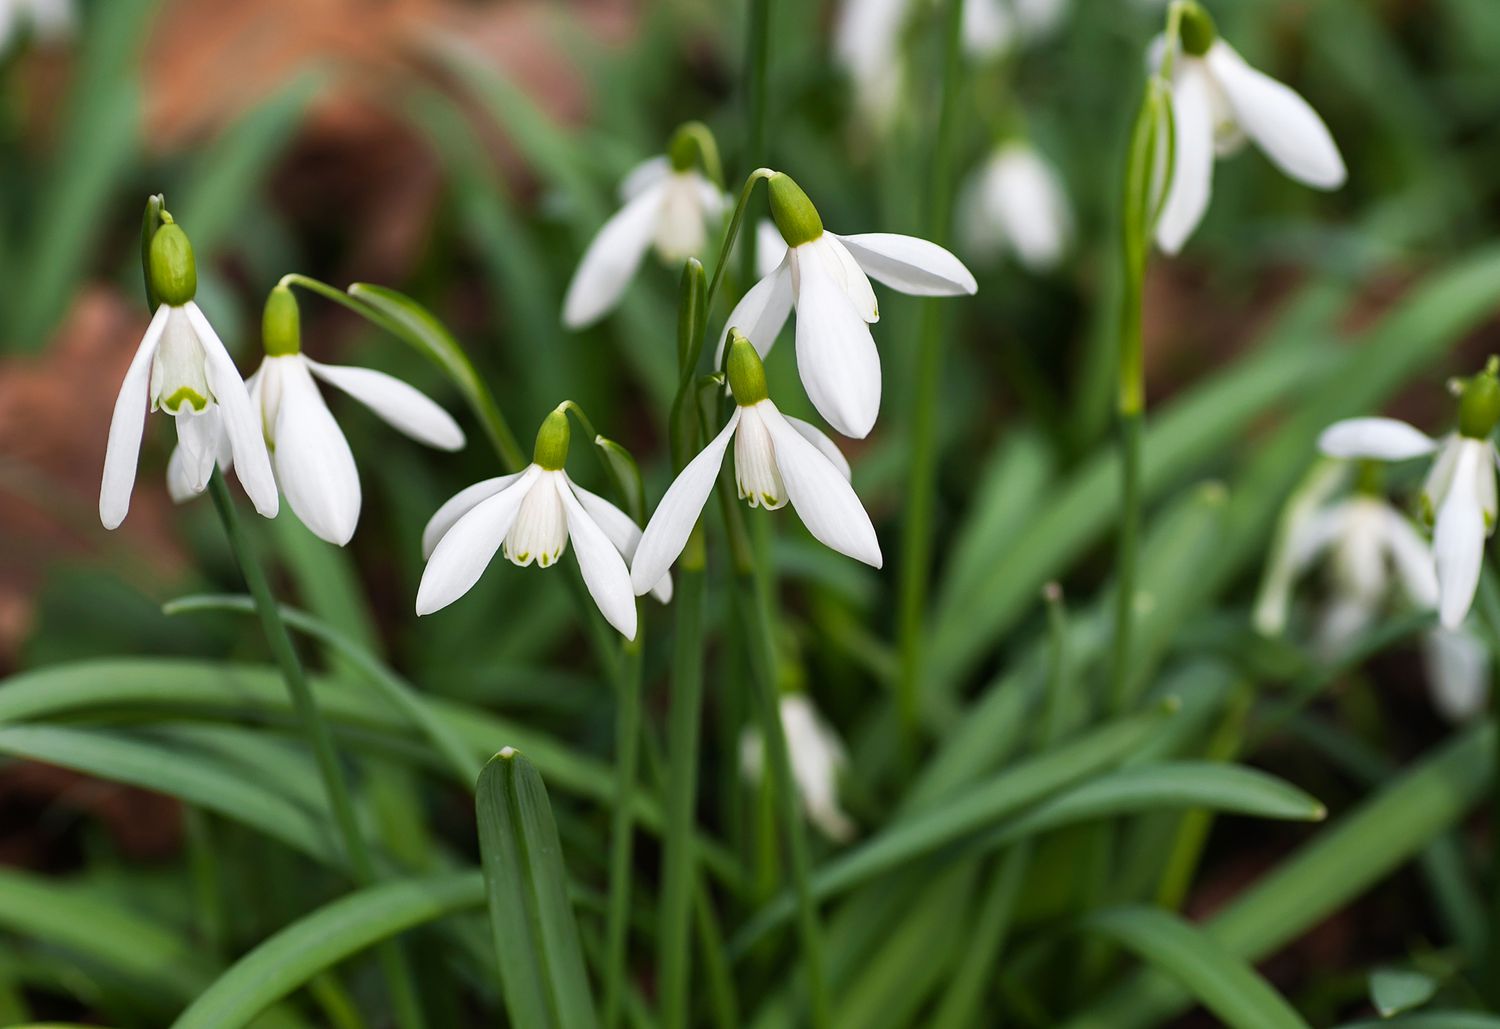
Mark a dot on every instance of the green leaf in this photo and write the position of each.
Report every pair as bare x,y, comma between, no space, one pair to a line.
536,935
1394,990
324,938
1218,979
1430,1020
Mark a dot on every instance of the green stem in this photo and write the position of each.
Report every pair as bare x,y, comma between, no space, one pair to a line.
916,543
1131,426
757,79
361,864
627,751
733,231
678,870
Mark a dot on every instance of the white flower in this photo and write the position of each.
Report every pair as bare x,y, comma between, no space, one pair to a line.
1459,496
826,277
1015,200
867,45
776,459
670,207
1218,101
817,758
182,368
533,514
1457,663
48,20
993,27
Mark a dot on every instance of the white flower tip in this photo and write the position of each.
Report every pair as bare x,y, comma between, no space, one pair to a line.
110,519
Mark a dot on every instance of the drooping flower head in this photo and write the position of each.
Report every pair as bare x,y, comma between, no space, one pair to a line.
1458,498
1015,201
776,459
1219,101
182,369
826,278
533,515
818,758
670,204
311,457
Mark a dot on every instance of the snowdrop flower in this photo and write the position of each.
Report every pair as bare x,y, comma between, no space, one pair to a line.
48,20
1218,101
867,45
532,515
1458,497
1457,663
817,757
1015,200
992,27
826,277
669,204
776,459
182,368
312,460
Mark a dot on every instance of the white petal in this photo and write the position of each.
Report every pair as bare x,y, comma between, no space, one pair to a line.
180,485
124,447
313,460
1458,672
1458,538
845,270
458,505
1193,157
611,259
1412,559
643,176
818,756
910,265
761,312
672,522
770,248
621,531
1027,205
603,568
987,28
403,406
464,552
1282,123
818,438
822,497
241,424
1382,439
1308,533
198,438
836,356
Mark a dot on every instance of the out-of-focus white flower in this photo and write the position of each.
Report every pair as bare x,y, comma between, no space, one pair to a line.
776,459
994,27
1457,663
533,514
867,45
1016,201
1218,101
818,759
669,204
826,277
49,21
182,368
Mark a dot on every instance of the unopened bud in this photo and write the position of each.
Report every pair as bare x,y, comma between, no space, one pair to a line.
1197,28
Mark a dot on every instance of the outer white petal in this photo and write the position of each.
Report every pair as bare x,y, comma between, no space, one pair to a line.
822,497
612,258
1193,157
241,424
672,522
761,312
1282,123
458,505
1028,205
643,176
836,355
818,438
403,406
124,447
464,552
1308,533
1458,672
1412,559
987,28
1382,439
770,248
818,757
622,532
604,571
845,270
1458,537
910,264
313,461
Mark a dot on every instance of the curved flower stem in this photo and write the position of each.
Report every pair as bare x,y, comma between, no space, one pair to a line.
627,751
356,850
758,175
916,541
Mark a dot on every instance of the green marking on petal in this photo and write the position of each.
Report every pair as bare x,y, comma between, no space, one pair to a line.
188,394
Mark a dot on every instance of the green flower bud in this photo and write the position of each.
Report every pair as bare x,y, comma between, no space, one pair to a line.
747,376
1370,479
552,441
794,214
1479,407
281,324
174,274
683,149
1197,29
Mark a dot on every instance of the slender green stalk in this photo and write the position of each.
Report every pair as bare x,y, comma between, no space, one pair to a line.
916,542
398,973
757,79
622,825
732,232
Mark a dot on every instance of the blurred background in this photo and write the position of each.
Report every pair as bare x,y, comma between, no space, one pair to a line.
465,152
